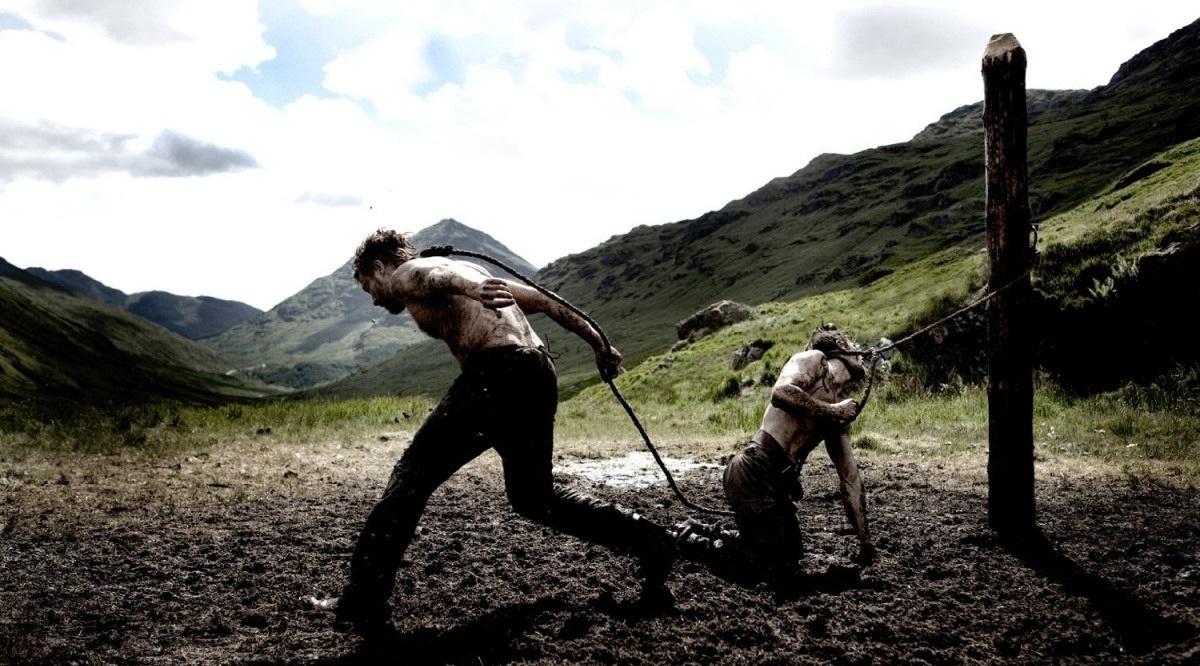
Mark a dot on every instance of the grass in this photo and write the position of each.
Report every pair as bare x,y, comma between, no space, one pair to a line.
172,427
1113,228
1113,432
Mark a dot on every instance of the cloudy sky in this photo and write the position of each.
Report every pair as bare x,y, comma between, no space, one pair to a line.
240,150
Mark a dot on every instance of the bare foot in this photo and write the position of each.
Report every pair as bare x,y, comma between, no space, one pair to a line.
368,620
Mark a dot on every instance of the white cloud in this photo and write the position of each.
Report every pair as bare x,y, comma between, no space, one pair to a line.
550,125
401,52
57,153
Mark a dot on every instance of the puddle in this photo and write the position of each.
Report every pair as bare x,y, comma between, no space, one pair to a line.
633,470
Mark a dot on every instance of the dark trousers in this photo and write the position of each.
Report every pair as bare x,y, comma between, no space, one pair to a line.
760,487
505,398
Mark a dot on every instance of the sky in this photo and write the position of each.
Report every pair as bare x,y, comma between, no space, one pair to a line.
241,150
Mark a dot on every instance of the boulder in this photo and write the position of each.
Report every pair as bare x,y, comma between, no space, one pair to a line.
712,318
750,353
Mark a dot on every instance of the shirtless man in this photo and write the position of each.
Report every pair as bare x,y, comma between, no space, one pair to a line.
505,398
763,480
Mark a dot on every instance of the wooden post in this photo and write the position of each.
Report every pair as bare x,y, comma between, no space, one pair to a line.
1010,340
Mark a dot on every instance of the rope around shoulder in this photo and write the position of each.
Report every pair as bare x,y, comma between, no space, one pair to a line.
874,354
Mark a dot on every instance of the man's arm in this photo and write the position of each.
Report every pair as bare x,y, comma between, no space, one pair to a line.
496,293
795,401
854,493
532,301
424,278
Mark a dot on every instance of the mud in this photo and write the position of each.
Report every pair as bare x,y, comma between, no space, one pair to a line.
204,559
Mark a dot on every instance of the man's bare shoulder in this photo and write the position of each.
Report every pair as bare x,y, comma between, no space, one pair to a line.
803,369
419,265
423,270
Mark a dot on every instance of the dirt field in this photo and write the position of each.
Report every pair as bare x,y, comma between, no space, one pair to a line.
203,558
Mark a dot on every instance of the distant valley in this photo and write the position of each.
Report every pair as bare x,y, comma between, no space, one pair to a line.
56,345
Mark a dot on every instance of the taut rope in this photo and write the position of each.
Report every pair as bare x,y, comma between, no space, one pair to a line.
872,353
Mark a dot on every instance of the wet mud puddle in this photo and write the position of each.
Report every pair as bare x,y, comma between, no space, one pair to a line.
632,470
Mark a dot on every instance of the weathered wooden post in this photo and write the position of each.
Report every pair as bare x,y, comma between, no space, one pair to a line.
1010,335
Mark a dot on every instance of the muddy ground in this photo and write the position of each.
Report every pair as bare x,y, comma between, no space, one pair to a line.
203,558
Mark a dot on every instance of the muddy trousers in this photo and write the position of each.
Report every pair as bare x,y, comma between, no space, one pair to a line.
767,543
505,399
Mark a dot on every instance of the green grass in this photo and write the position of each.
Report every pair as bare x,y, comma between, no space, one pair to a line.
168,427
1137,219
56,344
1114,433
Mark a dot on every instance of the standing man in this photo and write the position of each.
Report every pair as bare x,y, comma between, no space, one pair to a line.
762,481
505,398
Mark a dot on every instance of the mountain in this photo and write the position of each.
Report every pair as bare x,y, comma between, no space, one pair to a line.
845,221
192,317
81,284
331,326
55,344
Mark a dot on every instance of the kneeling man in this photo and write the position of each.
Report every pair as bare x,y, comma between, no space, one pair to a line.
762,481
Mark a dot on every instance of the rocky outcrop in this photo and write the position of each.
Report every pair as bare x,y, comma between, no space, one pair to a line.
713,318
750,353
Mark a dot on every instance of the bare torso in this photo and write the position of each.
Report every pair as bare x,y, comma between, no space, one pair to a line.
462,322
816,376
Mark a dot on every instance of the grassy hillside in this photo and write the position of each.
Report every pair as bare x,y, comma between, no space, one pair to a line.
331,326
1125,226
847,221
54,344
192,317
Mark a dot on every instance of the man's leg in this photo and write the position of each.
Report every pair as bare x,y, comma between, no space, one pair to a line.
768,528
772,539
532,492
440,448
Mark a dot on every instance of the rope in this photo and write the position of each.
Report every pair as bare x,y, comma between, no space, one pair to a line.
446,250
875,354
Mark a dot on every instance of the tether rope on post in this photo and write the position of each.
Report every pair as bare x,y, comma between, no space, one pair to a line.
875,354
446,250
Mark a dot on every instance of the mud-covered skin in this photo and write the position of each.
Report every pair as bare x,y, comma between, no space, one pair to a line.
469,309
141,560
